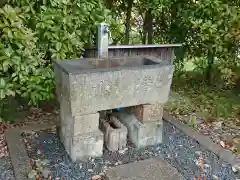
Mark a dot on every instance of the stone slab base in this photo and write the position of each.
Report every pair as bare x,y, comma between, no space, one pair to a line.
151,169
141,134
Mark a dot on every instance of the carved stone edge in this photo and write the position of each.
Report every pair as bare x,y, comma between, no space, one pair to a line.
203,140
16,147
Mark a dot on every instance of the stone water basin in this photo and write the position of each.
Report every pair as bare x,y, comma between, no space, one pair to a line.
90,85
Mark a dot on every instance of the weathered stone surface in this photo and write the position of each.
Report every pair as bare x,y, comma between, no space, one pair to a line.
73,126
126,82
150,169
87,86
66,123
86,145
148,112
62,84
141,134
115,133
85,123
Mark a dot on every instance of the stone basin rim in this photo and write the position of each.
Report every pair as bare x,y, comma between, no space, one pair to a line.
139,46
69,70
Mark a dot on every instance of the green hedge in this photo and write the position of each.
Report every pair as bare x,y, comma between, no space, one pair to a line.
35,32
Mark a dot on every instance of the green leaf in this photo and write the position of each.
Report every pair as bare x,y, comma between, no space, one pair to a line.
58,46
6,65
2,83
2,94
10,93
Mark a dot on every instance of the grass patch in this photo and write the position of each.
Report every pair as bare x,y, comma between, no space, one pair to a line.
190,94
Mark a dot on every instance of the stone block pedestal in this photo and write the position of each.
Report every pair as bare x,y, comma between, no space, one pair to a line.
87,145
141,134
81,137
85,123
115,133
148,112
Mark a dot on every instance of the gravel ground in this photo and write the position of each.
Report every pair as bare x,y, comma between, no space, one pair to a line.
179,150
6,172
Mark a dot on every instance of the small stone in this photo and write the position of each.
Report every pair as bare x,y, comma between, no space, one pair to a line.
90,170
224,165
236,168
200,163
41,163
38,152
39,169
2,155
96,177
222,144
46,173
38,163
214,177
123,151
107,162
32,174
45,162
38,177
198,152
217,125
119,162
25,140
206,165
105,168
101,174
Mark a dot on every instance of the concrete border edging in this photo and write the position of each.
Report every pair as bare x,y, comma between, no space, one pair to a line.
17,151
205,141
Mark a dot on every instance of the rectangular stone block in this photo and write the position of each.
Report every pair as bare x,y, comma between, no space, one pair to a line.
121,82
148,112
141,134
87,145
115,133
75,125
85,123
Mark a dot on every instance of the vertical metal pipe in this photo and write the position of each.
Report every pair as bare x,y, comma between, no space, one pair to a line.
102,42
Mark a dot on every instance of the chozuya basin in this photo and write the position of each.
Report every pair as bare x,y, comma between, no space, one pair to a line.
92,84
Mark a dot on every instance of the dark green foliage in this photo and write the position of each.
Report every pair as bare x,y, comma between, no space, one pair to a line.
35,32
22,71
